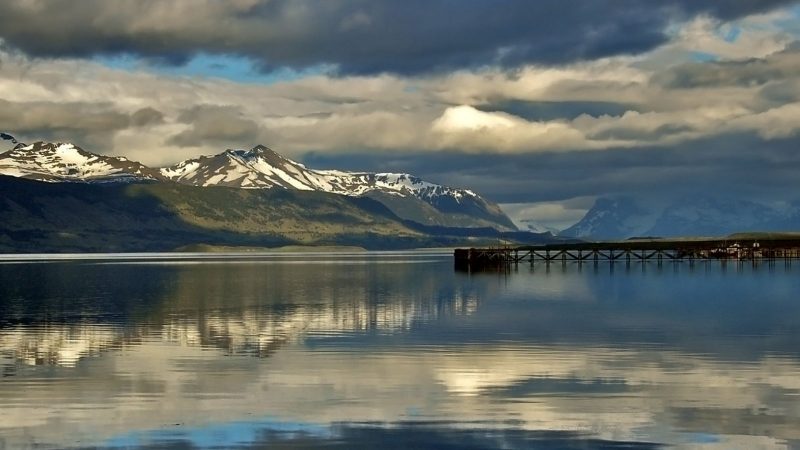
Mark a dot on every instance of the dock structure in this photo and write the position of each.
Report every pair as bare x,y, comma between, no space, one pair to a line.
632,250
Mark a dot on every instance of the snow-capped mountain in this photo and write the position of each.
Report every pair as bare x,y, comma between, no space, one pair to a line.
257,168
261,168
534,226
709,216
57,161
405,195
613,218
622,218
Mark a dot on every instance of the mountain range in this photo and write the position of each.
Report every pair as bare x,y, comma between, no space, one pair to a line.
58,197
237,197
699,215
261,168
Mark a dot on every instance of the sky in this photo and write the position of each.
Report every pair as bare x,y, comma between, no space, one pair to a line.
540,106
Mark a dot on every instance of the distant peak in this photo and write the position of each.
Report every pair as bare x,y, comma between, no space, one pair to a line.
22,146
235,152
258,150
262,148
44,145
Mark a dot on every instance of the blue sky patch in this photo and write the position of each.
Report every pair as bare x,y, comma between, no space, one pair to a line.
228,67
703,56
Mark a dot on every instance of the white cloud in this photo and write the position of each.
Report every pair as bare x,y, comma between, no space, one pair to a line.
466,128
774,123
588,81
547,215
459,118
751,37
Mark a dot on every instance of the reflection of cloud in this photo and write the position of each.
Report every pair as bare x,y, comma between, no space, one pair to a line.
464,384
669,384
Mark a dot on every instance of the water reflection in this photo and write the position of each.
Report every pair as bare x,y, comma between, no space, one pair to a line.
243,309
310,355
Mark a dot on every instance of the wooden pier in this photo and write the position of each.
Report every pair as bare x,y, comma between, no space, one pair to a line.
632,250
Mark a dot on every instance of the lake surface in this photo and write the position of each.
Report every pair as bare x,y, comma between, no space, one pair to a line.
396,350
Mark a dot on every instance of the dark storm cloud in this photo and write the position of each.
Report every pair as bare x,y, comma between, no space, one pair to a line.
743,165
357,36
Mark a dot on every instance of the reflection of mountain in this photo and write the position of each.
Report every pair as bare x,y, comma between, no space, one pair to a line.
279,303
249,309
259,334
57,344
257,308
256,333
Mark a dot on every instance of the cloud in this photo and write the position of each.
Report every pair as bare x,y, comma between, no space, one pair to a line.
555,110
146,116
665,127
742,164
606,104
555,215
537,134
210,123
91,123
464,127
743,73
612,80
356,36
757,37
775,123
32,117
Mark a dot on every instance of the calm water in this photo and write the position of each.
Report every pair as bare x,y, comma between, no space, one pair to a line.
396,350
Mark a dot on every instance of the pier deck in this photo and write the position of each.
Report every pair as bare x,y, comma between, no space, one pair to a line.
632,250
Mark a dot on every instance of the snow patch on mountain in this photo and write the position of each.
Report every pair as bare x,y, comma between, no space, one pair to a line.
59,161
261,167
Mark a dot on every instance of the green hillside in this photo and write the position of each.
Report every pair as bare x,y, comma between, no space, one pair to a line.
80,217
